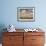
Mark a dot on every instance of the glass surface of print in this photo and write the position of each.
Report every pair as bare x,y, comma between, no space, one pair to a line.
26,14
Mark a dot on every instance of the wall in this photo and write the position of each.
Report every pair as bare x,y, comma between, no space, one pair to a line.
9,13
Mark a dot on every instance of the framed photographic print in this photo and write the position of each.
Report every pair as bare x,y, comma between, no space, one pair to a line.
26,14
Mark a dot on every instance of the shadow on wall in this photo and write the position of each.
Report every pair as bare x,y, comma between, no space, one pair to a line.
2,26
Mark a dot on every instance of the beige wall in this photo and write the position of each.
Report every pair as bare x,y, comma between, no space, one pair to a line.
0,44
45,37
